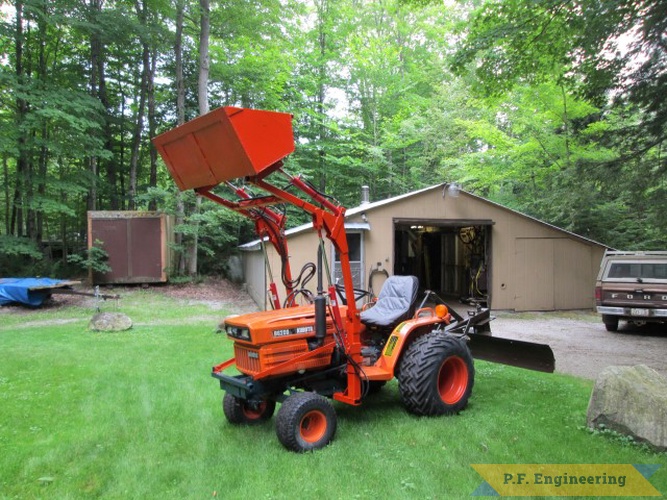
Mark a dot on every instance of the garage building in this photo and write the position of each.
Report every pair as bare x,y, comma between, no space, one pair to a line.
459,245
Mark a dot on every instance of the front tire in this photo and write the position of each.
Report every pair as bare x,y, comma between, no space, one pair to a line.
241,411
436,375
305,421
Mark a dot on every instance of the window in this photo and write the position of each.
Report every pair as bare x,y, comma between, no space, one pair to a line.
355,249
636,271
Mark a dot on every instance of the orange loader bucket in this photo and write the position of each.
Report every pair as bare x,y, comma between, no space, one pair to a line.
225,144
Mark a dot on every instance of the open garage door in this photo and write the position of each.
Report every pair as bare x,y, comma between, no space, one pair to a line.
450,257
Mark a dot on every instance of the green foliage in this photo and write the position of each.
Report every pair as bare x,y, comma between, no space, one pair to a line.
11,247
95,259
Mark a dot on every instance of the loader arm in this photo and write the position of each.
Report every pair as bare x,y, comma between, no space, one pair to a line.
238,143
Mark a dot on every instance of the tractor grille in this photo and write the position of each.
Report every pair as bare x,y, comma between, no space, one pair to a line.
252,361
247,360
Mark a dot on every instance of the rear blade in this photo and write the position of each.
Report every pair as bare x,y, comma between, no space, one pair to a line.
538,357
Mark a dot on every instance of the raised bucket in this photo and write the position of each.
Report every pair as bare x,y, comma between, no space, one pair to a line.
225,144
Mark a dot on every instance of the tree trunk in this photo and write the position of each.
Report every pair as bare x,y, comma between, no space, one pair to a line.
202,96
44,151
98,89
178,50
323,13
180,113
5,172
204,33
152,125
16,224
139,125
95,61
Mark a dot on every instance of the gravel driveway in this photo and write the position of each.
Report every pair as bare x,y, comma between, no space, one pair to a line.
581,344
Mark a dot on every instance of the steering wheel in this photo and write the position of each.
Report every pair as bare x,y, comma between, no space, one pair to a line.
358,293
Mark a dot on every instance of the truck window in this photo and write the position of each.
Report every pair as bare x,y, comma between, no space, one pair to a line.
621,270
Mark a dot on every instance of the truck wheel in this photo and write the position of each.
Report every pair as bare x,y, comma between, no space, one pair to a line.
610,322
241,411
436,375
306,421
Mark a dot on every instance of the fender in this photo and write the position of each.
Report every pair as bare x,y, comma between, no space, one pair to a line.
384,367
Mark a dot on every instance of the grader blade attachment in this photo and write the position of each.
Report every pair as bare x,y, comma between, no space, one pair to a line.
538,357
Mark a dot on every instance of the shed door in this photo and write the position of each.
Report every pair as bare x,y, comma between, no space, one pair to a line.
574,274
552,274
113,235
534,269
145,252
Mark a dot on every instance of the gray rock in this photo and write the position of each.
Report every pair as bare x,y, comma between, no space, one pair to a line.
631,400
110,322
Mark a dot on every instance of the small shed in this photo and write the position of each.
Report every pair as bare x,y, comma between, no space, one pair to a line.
459,245
137,244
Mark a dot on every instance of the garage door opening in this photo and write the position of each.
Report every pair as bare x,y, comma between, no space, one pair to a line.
452,258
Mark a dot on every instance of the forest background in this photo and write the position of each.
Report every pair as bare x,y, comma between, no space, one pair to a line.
553,108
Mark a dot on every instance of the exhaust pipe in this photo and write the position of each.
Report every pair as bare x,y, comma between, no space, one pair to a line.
320,304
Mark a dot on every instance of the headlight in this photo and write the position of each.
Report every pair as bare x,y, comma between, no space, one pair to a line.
238,332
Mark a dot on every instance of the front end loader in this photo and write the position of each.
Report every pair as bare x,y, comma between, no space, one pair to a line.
337,345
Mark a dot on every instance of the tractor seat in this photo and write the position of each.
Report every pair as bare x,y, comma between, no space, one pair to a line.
394,304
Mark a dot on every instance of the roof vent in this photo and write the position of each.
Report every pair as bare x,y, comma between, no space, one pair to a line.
365,195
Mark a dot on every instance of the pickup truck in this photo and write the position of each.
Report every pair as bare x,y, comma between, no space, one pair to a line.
632,286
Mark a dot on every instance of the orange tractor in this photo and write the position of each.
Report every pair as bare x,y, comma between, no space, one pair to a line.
302,356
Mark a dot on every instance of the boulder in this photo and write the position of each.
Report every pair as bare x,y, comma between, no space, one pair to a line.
110,322
631,400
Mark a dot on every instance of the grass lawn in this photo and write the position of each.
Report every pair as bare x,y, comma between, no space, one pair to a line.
137,415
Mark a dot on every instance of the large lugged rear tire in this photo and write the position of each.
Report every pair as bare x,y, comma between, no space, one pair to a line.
240,411
436,375
306,421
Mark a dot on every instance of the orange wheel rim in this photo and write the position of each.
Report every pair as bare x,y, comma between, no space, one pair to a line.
453,380
254,413
313,426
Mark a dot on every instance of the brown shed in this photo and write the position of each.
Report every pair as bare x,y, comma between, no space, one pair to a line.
459,245
136,242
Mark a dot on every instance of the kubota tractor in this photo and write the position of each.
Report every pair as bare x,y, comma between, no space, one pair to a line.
303,356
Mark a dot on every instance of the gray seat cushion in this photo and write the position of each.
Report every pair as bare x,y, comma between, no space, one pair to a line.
394,303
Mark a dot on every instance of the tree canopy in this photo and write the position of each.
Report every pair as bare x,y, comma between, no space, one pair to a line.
553,108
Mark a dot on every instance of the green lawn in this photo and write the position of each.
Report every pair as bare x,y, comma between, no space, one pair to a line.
137,415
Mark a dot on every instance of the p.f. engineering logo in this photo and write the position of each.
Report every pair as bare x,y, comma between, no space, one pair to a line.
566,480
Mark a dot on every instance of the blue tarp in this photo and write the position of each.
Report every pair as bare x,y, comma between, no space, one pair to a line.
27,291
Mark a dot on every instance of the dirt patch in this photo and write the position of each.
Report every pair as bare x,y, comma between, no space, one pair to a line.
215,293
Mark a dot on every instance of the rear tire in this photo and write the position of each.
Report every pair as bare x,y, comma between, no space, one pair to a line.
436,375
241,411
305,421
610,322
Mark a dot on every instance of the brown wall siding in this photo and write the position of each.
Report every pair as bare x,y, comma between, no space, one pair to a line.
254,275
534,266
